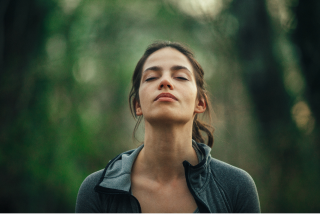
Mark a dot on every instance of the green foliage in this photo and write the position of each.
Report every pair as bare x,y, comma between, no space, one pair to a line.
64,96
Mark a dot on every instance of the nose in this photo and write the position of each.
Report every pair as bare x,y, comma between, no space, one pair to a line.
165,83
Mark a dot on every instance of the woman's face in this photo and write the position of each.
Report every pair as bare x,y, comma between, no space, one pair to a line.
168,90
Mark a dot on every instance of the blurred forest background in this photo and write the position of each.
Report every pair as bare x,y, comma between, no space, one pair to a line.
65,71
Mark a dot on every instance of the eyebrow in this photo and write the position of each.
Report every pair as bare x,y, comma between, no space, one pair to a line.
174,68
179,67
153,68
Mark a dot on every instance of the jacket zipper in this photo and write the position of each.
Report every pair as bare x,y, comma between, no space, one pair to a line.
107,191
203,208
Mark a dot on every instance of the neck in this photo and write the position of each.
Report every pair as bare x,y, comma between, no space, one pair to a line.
165,148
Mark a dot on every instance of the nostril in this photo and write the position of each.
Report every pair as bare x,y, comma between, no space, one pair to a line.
165,84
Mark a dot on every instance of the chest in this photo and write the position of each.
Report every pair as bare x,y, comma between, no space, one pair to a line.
174,197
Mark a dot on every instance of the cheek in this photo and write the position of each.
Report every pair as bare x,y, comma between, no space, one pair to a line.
142,96
191,98
194,94
194,99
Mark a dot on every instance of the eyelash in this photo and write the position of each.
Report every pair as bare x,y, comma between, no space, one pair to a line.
151,78
182,78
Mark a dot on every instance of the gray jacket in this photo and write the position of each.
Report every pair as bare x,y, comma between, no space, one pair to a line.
216,186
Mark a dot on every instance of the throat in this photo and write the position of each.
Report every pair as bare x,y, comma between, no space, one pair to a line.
166,166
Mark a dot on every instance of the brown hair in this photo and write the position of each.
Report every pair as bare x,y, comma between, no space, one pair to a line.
201,91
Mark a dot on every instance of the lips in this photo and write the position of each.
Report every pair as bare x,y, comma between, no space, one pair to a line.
165,95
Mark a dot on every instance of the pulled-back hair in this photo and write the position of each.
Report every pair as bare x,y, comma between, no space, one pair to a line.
198,125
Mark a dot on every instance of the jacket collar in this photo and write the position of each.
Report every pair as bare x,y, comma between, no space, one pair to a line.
117,174
197,175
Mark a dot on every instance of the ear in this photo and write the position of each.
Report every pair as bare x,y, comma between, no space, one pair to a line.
138,108
200,106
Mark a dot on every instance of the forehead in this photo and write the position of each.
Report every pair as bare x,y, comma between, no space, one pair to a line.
167,57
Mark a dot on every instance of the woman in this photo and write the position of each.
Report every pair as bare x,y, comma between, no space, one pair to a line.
173,170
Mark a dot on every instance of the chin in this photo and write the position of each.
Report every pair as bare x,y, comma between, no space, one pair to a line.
167,118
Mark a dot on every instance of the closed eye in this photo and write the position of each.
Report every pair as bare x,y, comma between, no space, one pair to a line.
182,78
151,78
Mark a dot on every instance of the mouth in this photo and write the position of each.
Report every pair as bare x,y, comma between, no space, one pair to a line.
165,97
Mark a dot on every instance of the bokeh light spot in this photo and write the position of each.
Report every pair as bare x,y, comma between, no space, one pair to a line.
302,116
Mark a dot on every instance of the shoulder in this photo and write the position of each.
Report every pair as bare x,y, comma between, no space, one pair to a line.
91,180
229,175
237,184
88,200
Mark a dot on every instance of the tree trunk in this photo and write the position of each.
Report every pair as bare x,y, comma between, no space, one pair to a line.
279,135
307,38
21,39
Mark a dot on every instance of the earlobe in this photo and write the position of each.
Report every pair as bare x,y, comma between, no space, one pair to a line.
201,106
138,108
138,112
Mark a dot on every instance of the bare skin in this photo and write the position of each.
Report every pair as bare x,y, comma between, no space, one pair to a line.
158,176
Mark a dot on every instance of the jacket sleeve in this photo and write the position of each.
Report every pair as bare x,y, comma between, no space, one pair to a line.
246,199
88,201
